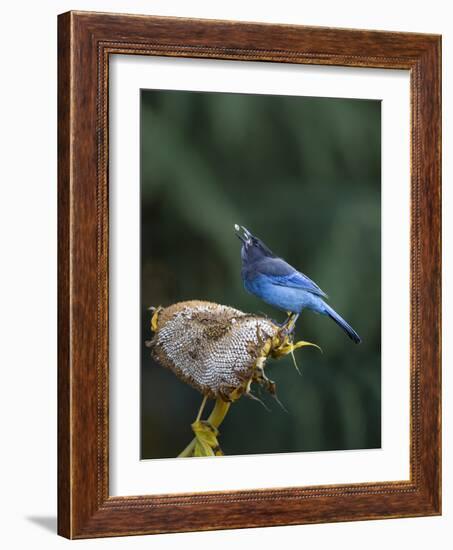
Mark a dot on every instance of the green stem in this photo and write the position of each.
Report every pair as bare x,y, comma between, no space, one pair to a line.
219,412
216,417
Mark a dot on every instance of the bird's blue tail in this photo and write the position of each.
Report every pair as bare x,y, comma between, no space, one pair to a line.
342,323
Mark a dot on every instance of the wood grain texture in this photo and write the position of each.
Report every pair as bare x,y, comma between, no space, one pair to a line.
86,40
64,390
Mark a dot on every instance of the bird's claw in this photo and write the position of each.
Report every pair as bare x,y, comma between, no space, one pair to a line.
289,325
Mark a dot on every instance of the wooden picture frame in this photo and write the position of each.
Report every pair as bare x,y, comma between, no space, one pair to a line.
85,42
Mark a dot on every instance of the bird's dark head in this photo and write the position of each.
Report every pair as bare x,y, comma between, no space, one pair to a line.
253,249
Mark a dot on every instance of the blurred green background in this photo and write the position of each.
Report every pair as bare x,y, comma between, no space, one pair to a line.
304,175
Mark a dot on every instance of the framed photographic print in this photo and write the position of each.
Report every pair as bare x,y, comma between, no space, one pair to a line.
249,275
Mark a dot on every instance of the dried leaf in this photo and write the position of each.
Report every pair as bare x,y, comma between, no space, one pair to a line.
206,443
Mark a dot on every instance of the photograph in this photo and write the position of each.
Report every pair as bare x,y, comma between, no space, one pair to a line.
260,274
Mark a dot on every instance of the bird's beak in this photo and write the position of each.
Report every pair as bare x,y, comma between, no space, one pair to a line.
242,233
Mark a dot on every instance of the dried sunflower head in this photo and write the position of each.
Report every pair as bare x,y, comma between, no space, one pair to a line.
217,349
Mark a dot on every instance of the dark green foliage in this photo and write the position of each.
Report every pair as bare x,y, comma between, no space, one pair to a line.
304,175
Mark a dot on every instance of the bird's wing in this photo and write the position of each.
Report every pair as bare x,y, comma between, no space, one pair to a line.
283,274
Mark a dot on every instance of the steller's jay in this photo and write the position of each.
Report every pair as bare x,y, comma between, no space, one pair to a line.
280,285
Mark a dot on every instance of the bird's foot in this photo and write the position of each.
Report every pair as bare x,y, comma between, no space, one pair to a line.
289,325
286,321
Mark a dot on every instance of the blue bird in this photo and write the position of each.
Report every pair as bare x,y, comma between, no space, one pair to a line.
281,285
